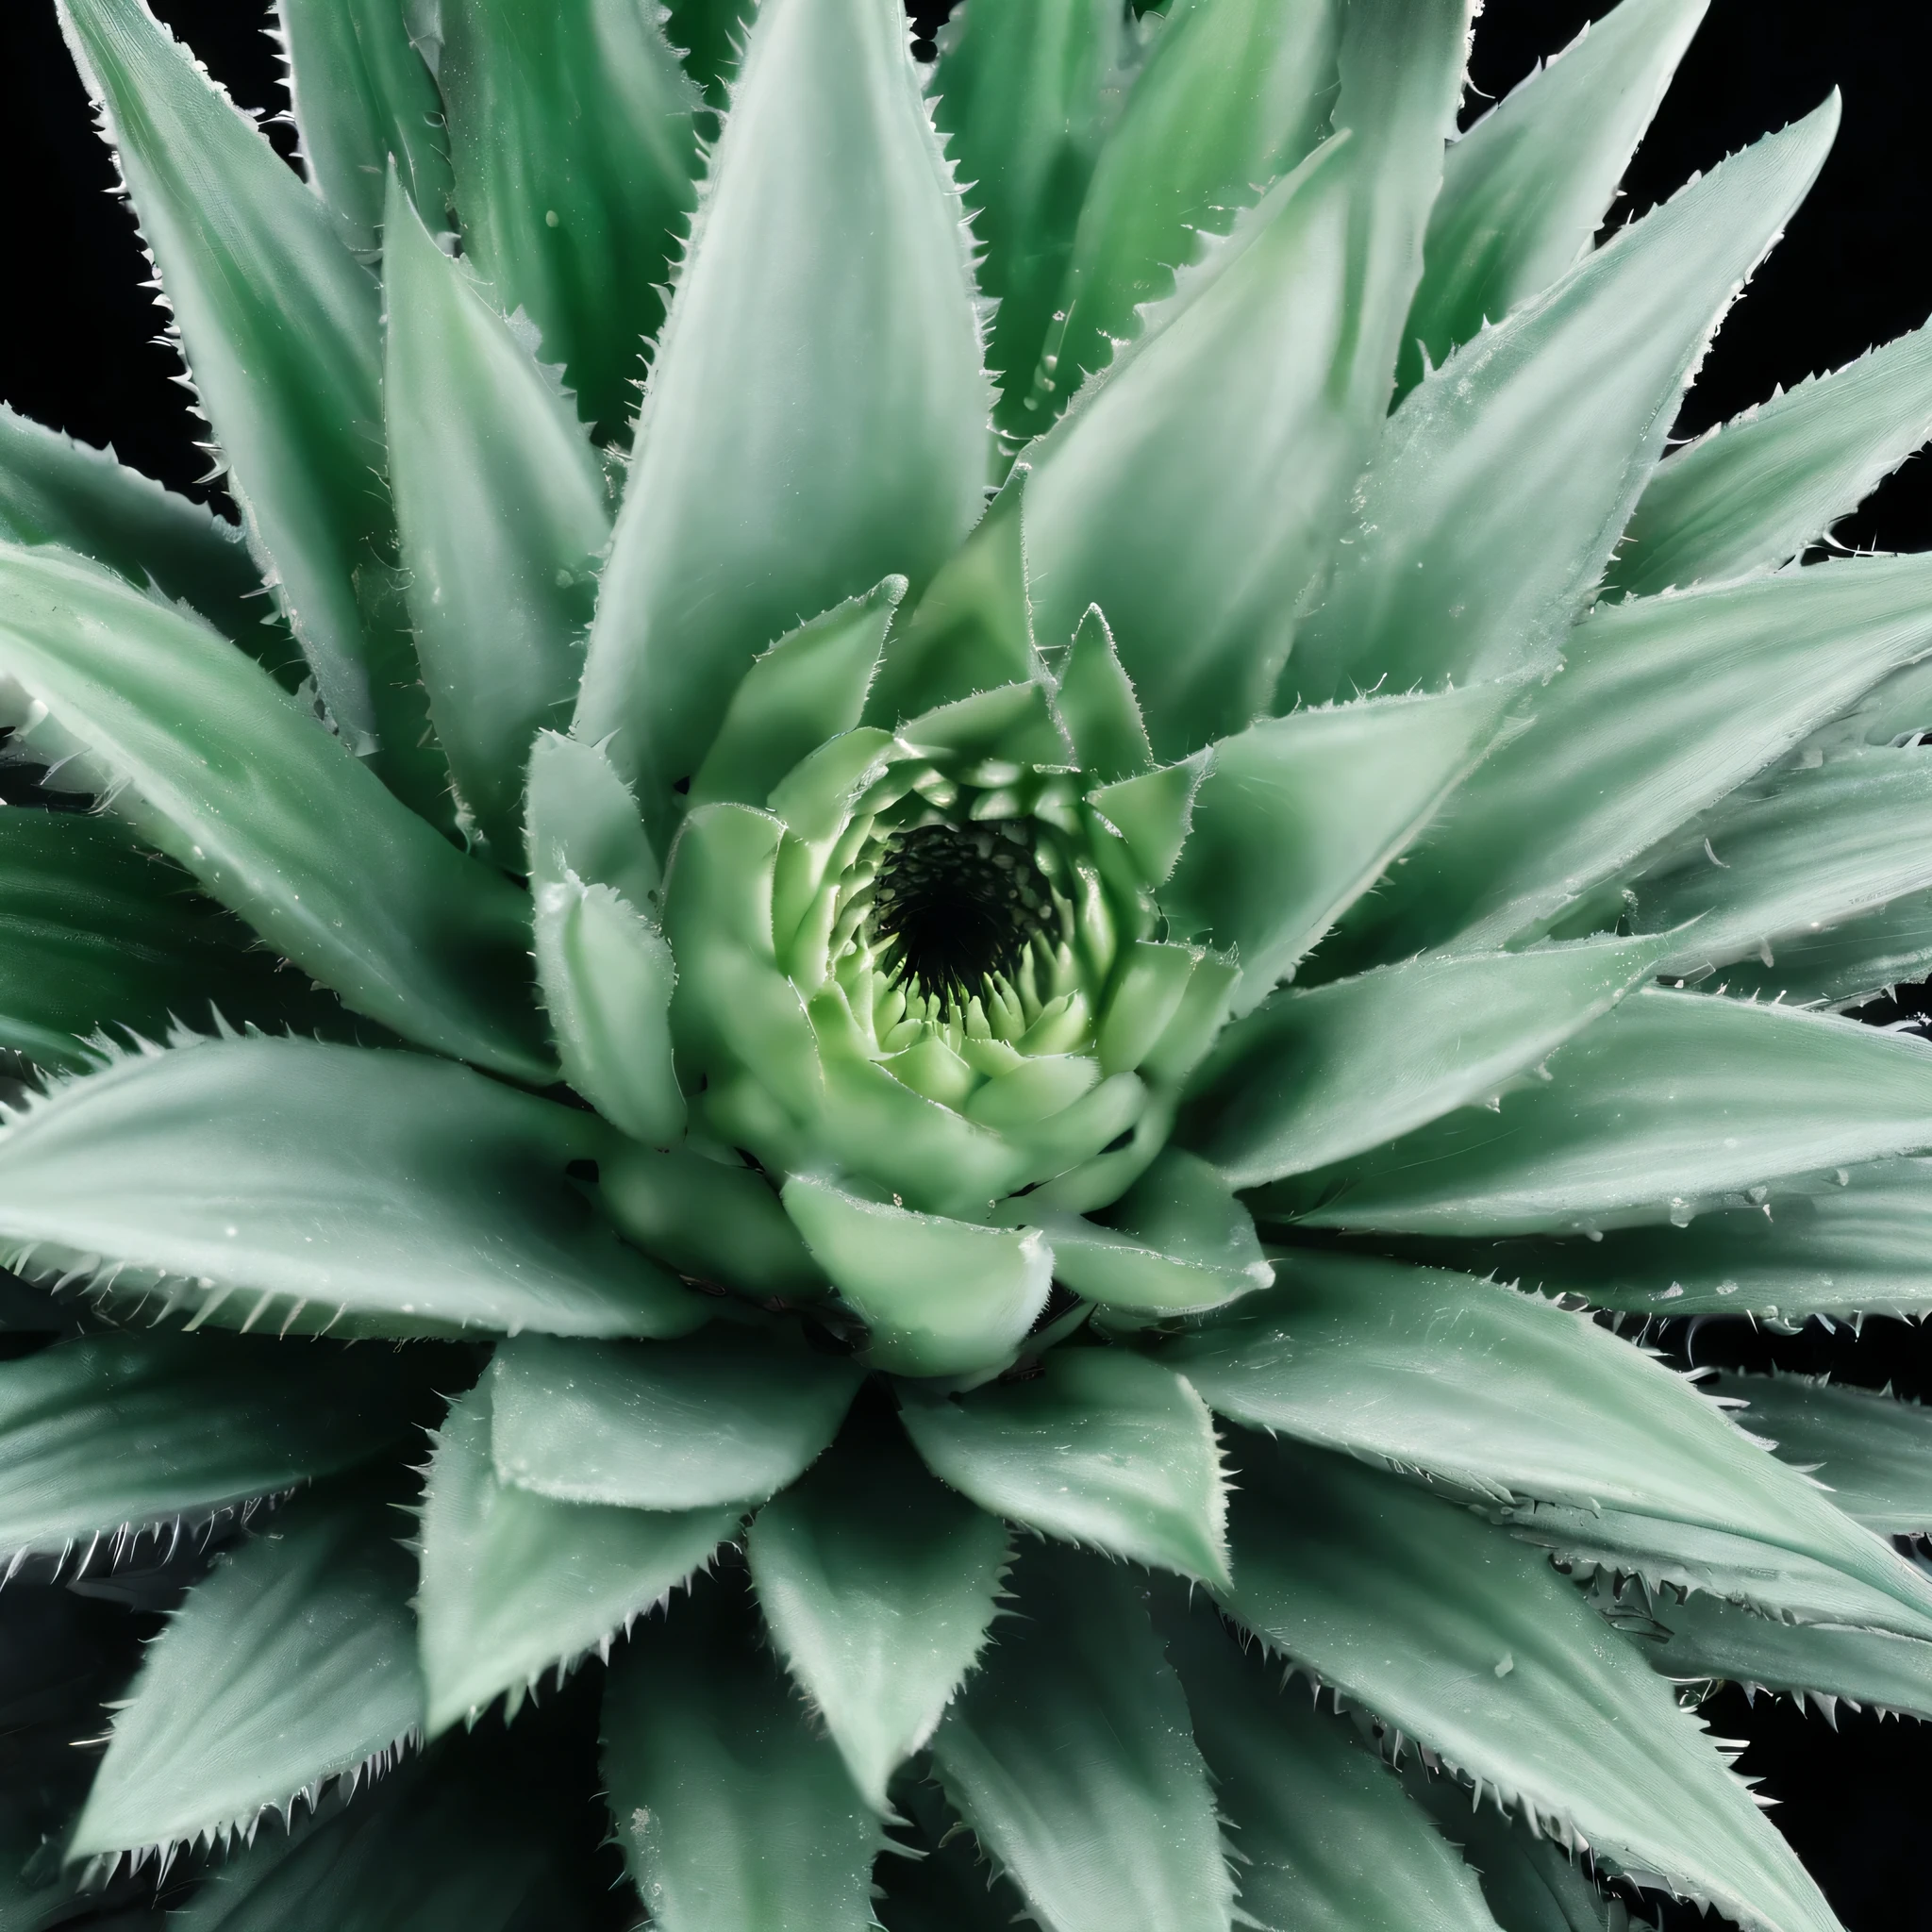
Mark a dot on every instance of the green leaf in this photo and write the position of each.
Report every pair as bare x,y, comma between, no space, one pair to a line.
280,324
1230,99
713,34
1846,965
1101,1447
733,1814
717,1222
878,1584
1313,1077
504,515
1756,491
583,819
514,1582
951,1887
1856,1243
109,1434
1299,816
811,686
1670,1100
56,490
293,1662
1193,494
1070,1755
1664,707
1098,706
1873,1452
1506,477
571,132
1527,188
1470,1645
1154,813
201,754
1702,1638
1176,1243
941,1297
829,243
1329,1841
1503,1394
252,1175
716,1418
1022,92
362,94
97,933
1816,848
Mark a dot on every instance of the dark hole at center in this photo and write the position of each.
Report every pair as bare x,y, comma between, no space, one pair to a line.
956,904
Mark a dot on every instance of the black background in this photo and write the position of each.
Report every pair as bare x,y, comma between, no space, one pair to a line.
76,350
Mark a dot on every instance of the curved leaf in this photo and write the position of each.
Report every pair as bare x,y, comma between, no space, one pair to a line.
279,322
1752,493
201,754
108,1434
878,1584
1313,1077
1498,1392
722,1417
1506,477
1470,1645
503,516
1101,1447
362,95
571,134
1846,965
828,243
514,1582
1525,188
251,1174
294,1662
1099,705
54,490
583,819
1672,1099
1022,91
1070,1755
733,1815
1299,816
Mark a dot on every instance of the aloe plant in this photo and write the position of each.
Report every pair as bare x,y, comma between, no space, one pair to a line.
971,862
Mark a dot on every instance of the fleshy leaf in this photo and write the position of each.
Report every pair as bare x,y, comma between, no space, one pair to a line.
1471,1645
1846,965
1299,816
1328,1839
811,686
1506,477
733,1813
280,324
54,490
514,1582
1070,1755
109,1433
941,1297
953,1887
878,1584
1230,99
294,1662
1102,1447
1021,91
1525,188
1664,706
97,933
1672,1099
206,759
828,243
1754,493
1501,1393
713,1419
1313,1077
583,819
570,133
503,516
245,1176
1099,707
362,95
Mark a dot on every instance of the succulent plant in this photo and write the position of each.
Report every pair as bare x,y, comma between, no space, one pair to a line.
984,868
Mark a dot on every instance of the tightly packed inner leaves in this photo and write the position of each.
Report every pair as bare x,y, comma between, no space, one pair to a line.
881,1008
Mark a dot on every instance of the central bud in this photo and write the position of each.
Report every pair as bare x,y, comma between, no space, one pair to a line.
956,907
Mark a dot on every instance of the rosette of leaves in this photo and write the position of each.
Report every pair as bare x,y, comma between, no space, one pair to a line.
920,809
